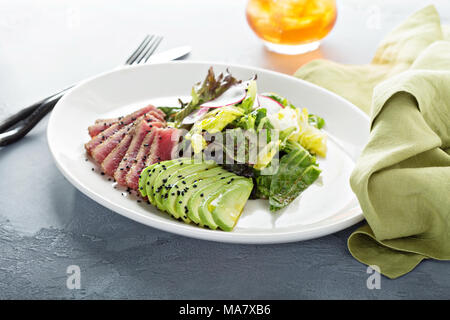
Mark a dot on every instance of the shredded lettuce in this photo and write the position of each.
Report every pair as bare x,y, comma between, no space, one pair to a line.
214,121
309,136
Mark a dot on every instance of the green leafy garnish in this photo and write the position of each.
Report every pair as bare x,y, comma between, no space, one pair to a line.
169,111
209,89
316,121
247,104
297,171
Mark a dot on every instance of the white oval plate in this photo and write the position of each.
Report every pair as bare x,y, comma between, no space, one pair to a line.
322,209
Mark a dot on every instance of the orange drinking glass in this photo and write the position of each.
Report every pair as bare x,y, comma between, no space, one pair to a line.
291,26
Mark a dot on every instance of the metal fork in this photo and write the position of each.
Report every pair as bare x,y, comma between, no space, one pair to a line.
19,124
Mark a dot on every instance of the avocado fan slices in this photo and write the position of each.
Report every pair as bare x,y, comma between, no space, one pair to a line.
201,192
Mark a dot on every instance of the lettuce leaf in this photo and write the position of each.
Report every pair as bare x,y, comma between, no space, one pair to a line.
308,135
210,89
247,104
316,121
296,172
169,111
262,187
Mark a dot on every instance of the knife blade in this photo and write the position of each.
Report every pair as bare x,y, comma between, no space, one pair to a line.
169,55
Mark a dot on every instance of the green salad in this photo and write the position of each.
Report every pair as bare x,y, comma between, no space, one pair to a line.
235,143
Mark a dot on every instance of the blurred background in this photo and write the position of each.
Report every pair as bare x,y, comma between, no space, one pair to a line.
48,44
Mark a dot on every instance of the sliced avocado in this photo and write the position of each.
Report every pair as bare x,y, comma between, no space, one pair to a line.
196,199
143,179
195,181
204,209
161,181
178,176
153,174
228,206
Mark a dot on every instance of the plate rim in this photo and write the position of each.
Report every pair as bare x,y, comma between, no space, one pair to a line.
354,217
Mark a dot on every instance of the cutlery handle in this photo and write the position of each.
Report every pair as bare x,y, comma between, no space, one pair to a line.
28,117
14,119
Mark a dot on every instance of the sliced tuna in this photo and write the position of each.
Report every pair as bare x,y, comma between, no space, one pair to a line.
132,178
167,141
98,139
101,125
104,135
111,162
158,115
142,129
101,151
164,142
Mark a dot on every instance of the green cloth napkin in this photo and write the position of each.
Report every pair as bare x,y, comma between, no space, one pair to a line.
402,178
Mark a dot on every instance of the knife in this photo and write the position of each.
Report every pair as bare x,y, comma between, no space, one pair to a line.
31,115
169,55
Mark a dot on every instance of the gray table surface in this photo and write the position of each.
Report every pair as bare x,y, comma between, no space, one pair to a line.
47,225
